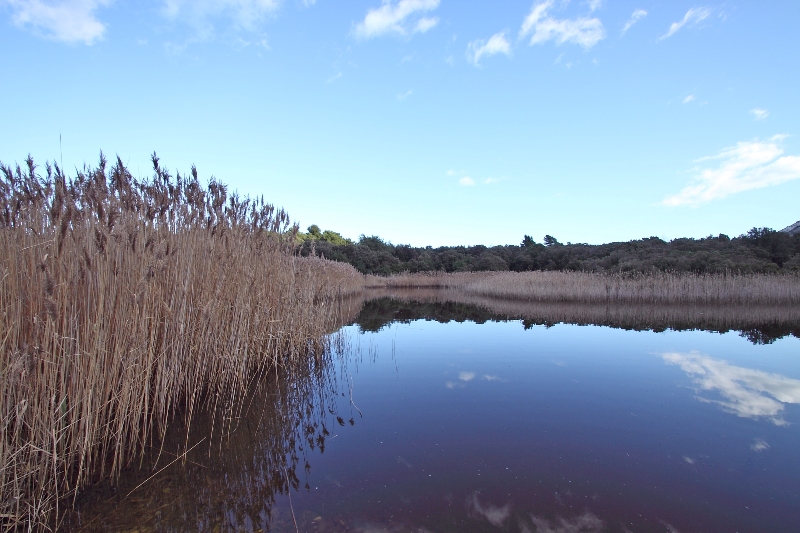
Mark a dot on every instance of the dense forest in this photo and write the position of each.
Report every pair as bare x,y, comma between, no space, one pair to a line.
759,250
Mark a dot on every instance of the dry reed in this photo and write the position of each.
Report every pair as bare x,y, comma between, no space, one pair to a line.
584,287
123,302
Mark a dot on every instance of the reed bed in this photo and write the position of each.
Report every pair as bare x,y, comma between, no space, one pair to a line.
584,287
124,302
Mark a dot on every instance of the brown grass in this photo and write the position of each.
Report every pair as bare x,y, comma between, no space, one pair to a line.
124,302
582,287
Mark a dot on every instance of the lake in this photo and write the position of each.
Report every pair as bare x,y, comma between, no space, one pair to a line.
438,415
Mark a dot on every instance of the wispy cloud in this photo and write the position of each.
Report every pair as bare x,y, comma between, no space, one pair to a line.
466,376
489,181
759,114
488,377
688,99
403,96
637,15
203,14
759,445
70,21
745,392
594,5
466,181
693,17
583,31
748,165
497,44
400,18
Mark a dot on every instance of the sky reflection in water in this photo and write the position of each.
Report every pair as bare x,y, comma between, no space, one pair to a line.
563,429
486,427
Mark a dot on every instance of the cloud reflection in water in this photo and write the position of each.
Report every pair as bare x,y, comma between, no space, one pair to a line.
494,515
745,392
585,523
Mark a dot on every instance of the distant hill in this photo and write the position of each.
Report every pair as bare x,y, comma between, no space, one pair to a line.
793,229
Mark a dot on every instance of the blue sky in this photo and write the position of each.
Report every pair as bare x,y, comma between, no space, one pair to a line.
429,122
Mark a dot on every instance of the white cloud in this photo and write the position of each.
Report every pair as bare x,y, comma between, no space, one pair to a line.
466,376
69,21
759,114
246,14
394,18
637,15
693,17
748,165
466,181
759,445
425,23
489,181
487,377
688,99
497,44
584,31
594,5
403,96
745,392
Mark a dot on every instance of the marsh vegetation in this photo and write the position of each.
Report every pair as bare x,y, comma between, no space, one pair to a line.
141,318
126,302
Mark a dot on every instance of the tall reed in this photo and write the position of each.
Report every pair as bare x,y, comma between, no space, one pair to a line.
123,302
585,287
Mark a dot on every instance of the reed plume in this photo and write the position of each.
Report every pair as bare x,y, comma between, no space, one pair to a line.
126,301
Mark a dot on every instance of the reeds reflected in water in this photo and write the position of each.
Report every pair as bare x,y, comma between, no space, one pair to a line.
758,323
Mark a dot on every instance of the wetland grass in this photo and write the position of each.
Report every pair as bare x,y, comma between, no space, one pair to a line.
658,288
124,302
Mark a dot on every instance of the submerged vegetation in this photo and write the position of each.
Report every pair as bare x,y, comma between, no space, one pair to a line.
126,302
758,251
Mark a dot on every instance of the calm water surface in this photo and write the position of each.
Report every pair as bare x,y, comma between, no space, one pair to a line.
490,426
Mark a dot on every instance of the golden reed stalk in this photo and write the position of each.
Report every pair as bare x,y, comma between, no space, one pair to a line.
585,287
123,302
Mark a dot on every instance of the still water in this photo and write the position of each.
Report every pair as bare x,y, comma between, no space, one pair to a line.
496,425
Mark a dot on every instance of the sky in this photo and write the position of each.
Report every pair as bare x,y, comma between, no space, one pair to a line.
428,122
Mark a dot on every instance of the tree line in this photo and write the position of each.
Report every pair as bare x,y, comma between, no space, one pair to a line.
760,250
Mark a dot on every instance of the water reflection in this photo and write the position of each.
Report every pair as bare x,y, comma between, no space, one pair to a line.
545,430
235,470
760,325
584,523
745,392
496,516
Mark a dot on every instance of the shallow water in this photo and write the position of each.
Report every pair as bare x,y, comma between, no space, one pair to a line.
499,426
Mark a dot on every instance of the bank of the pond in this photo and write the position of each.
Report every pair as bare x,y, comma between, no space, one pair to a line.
585,287
124,302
